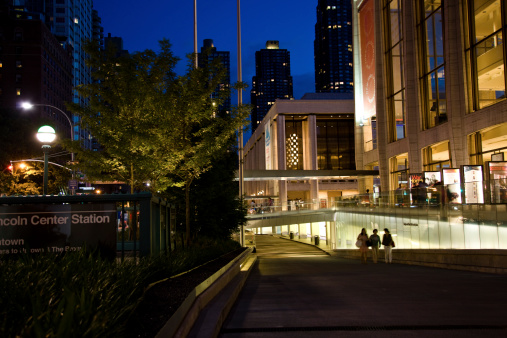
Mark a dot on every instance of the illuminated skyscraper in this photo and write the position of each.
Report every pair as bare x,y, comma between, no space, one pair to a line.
333,47
272,80
208,54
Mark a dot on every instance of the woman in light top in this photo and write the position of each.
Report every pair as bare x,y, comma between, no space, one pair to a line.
363,236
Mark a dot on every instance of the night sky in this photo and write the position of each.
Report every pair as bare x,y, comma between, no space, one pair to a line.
142,24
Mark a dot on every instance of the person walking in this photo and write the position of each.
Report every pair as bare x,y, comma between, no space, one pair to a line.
375,244
388,243
363,237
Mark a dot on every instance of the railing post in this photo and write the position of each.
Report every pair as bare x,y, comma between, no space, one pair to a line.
145,226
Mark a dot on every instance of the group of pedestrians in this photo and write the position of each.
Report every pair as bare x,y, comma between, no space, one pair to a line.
363,242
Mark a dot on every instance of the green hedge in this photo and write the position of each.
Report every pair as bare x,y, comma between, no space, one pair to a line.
80,294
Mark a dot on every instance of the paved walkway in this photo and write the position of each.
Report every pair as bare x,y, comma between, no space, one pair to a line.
296,290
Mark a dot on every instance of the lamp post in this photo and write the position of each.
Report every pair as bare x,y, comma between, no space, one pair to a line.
46,135
28,106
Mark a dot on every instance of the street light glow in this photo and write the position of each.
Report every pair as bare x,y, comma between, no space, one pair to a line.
46,134
26,105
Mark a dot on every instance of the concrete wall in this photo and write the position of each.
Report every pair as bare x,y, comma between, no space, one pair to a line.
490,261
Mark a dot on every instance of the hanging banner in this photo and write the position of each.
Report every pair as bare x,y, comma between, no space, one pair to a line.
267,142
57,228
367,43
473,181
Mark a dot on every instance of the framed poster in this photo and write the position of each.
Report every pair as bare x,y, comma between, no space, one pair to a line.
497,157
473,184
432,177
414,179
452,185
497,177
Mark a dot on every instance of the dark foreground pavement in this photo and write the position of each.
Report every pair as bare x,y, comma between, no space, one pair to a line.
296,290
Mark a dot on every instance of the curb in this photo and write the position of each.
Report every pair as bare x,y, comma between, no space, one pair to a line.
182,321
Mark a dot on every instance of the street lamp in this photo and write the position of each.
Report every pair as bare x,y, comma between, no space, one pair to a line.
46,135
28,106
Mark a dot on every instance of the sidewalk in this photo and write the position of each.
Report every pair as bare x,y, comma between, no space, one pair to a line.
293,291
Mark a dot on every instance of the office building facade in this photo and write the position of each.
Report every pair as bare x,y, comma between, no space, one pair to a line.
209,53
35,68
303,150
272,80
72,22
333,47
430,91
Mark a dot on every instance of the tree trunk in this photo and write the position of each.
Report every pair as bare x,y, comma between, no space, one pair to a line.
131,178
187,211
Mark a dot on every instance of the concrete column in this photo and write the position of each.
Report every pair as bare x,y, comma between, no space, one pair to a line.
281,159
311,152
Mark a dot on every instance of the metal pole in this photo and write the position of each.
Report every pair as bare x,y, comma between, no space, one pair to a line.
68,119
195,33
45,149
240,134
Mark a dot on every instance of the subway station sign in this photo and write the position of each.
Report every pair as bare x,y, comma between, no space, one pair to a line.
57,228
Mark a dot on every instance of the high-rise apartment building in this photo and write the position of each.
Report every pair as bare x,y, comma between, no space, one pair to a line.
209,53
72,22
272,80
333,47
34,68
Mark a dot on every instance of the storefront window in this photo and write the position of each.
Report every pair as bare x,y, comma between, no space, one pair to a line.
488,145
396,83
485,52
433,70
436,157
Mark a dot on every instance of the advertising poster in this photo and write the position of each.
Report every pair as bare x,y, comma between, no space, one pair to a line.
498,181
432,177
414,179
452,184
473,180
57,228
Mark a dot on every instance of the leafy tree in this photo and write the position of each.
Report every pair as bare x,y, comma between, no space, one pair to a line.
29,180
194,134
152,125
122,113
219,211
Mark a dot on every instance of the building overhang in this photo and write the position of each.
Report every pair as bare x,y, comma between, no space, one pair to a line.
266,175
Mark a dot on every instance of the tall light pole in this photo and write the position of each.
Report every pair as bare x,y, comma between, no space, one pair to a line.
195,34
240,134
46,135
28,105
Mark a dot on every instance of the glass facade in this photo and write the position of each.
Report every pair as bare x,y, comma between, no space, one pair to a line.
335,144
395,72
465,227
485,143
399,171
430,27
485,52
436,157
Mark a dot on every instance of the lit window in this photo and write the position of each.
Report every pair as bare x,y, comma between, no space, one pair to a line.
76,21
0,65
18,64
18,91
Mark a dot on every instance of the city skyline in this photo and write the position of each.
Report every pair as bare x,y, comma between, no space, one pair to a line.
293,25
